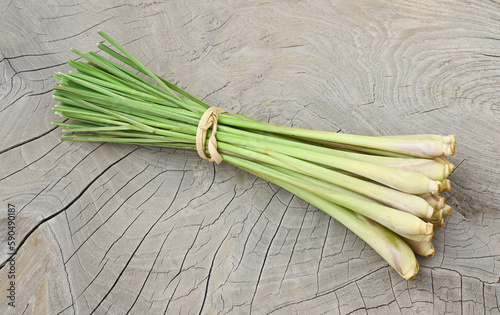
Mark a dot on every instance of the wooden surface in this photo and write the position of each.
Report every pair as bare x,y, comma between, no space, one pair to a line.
118,229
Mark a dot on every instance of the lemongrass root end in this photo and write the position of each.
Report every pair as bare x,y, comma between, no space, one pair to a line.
429,229
453,142
447,170
437,216
447,210
445,185
430,212
434,187
439,224
440,203
411,272
430,252
452,167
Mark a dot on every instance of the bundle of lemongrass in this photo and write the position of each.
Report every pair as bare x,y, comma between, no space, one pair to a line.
386,189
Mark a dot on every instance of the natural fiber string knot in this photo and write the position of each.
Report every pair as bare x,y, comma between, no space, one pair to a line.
208,120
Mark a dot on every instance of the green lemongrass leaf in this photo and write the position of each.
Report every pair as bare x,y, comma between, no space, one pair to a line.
89,69
118,88
90,128
137,133
128,105
157,134
95,129
142,67
122,73
136,79
169,87
88,116
172,86
86,81
133,86
120,117
165,124
83,112
131,140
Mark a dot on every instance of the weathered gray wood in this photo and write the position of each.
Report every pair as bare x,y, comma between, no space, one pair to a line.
113,228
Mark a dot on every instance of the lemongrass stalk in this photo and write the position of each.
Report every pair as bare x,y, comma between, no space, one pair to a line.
323,184
384,143
386,243
425,249
393,198
358,149
386,195
400,179
330,188
450,139
437,219
413,147
327,186
427,167
400,222
432,169
430,216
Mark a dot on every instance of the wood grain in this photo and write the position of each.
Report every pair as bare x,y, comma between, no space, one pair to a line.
106,228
